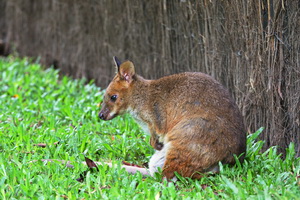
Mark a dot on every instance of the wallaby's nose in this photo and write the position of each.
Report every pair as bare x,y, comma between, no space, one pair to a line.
101,115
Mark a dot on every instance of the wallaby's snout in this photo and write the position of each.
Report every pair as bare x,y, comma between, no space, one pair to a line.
106,114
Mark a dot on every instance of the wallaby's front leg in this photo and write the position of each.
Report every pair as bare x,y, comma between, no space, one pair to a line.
154,141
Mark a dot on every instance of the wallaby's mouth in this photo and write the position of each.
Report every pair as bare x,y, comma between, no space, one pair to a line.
111,116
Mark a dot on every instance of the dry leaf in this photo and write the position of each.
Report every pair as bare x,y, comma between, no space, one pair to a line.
40,145
130,164
92,165
204,186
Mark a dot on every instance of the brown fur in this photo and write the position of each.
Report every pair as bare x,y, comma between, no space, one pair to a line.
190,111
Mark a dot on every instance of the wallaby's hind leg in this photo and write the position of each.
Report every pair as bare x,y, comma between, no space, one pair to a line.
195,147
187,165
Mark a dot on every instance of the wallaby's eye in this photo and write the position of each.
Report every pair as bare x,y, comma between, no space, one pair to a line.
113,98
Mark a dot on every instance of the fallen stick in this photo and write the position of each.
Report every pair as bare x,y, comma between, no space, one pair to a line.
128,168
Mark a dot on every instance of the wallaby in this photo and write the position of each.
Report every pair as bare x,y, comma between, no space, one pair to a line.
193,122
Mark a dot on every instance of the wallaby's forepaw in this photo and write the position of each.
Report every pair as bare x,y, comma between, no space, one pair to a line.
158,146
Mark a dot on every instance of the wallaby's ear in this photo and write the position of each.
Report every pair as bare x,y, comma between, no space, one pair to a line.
126,71
117,62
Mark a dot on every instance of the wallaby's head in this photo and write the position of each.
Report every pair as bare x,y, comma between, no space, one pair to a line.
116,97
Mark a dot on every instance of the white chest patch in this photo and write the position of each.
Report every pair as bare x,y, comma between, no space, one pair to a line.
142,124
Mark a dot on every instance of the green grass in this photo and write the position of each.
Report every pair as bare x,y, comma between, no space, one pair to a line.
38,106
